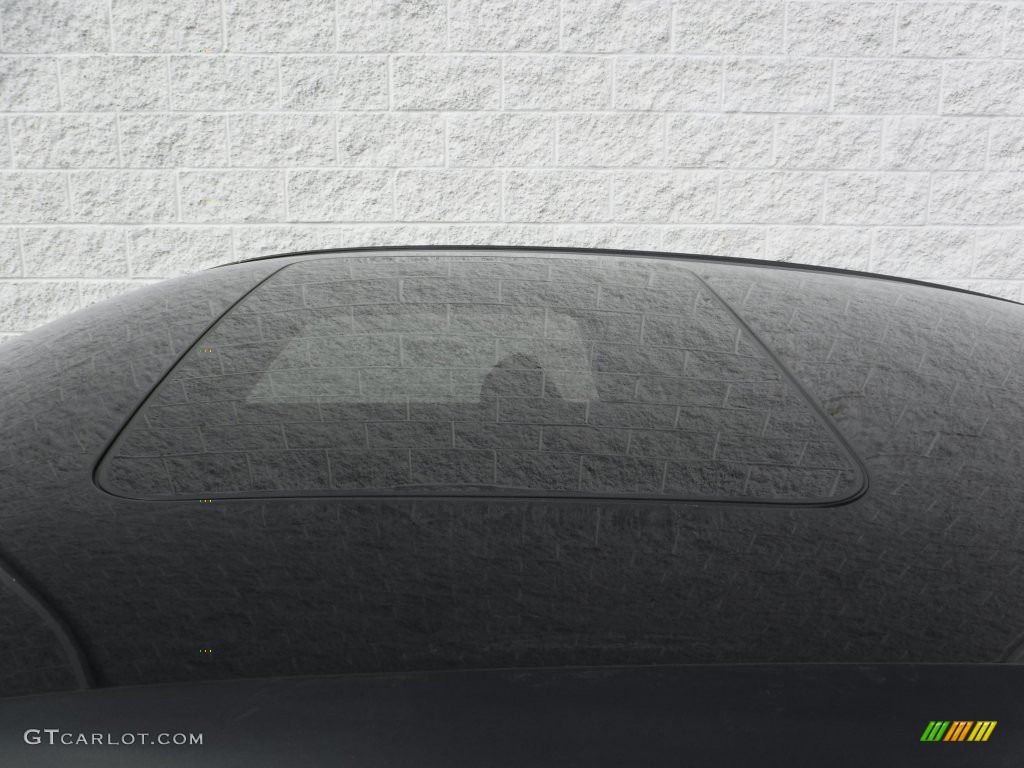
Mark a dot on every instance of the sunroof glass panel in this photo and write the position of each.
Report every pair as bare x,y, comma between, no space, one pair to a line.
481,375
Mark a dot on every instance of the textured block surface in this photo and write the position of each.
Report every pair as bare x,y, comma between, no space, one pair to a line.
608,26
156,26
113,83
733,26
123,196
65,141
391,140
63,26
777,85
273,26
173,140
557,82
484,25
840,29
218,83
803,130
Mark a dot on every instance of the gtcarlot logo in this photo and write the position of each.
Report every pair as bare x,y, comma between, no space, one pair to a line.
55,736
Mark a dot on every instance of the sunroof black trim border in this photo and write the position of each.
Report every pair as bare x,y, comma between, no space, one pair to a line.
99,471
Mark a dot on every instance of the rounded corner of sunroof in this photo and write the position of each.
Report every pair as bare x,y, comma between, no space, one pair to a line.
482,374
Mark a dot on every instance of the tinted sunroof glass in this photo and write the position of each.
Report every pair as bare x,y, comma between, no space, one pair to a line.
480,374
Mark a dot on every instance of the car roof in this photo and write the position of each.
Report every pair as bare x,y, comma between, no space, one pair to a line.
925,385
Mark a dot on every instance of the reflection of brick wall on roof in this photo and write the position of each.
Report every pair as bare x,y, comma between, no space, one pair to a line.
593,375
909,572
925,384
64,391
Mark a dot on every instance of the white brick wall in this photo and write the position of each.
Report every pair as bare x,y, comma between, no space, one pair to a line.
144,138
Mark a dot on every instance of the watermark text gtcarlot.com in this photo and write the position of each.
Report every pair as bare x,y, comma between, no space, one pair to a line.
55,736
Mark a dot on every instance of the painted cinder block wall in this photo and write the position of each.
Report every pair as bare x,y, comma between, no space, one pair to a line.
142,139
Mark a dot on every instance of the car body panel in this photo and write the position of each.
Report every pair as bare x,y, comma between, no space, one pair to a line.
924,568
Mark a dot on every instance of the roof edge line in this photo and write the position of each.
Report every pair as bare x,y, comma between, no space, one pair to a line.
739,260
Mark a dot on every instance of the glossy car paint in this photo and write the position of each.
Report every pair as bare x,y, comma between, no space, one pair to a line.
924,384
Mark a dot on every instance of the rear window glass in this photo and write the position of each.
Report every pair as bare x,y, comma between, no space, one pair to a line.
481,375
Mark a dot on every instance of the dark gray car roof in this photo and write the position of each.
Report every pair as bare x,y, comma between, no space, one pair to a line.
923,384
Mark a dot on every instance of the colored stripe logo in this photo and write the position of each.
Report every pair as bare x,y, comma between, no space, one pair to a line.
958,730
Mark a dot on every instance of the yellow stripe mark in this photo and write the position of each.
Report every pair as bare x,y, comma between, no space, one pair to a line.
988,731
976,732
